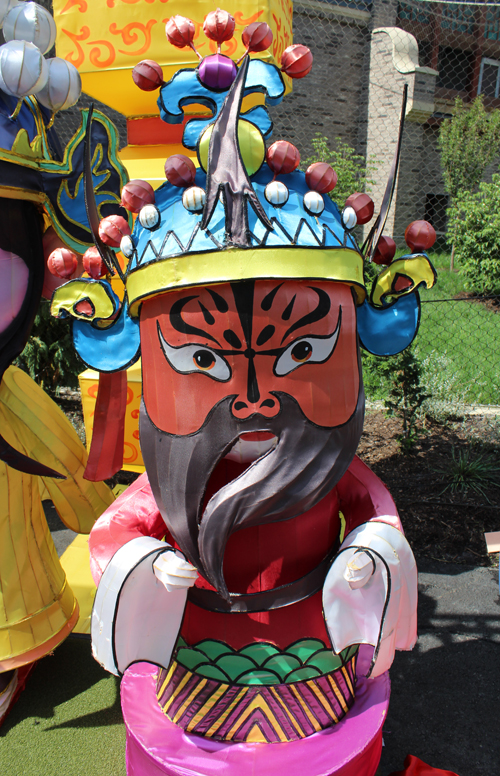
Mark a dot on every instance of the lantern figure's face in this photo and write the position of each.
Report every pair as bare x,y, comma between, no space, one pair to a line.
251,342
224,366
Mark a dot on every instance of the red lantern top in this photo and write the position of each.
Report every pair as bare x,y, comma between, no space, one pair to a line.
420,236
362,205
180,170
282,157
112,229
136,194
257,37
93,264
385,250
180,31
321,177
219,26
147,75
62,263
296,61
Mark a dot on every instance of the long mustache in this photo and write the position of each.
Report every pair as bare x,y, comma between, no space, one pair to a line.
305,465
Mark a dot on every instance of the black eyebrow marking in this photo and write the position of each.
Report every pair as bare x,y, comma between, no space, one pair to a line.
266,334
209,318
269,298
219,301
285,315
321,311
179,324
232,338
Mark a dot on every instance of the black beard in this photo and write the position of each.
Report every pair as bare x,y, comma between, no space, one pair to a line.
287,481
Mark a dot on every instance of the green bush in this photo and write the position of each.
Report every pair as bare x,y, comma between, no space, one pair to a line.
49,356
353,171
475,229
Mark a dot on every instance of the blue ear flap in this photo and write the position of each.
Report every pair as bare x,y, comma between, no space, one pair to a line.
385,331
104,344
109,349
389,321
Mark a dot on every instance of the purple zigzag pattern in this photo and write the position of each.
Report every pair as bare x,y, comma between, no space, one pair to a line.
282,712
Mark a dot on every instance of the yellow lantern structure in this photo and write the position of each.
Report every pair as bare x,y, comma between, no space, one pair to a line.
105,40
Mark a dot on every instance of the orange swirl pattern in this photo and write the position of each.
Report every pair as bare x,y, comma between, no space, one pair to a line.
130,36
146,37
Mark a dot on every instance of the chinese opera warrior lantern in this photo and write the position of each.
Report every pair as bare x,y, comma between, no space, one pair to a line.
255,582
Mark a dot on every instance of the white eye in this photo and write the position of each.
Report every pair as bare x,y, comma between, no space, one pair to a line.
313,350
188,359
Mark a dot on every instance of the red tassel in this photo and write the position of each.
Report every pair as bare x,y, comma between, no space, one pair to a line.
415,767
106,448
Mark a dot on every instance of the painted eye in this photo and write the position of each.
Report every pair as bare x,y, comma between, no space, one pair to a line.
204,359
312,350
189,359
301,352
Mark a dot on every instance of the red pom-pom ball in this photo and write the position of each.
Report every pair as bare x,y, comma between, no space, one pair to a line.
321,177
179,31
136,194
93,264
282,157
385,250
219,26
148,75
362,205
62,263
296,61
420,236
257,36
180,170
112,229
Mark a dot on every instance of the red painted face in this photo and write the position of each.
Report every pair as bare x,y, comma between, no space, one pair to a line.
251,341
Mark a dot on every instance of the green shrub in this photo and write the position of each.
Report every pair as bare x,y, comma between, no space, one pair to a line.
402,375
50,357
353,171
475,229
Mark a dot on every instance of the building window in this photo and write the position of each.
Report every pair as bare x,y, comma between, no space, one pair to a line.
435,210
455,68
414,12
492,24
489,77
459,18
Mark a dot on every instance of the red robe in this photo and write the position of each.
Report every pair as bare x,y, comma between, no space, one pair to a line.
257,558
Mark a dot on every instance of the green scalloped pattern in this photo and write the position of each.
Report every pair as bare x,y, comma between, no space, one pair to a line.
261,663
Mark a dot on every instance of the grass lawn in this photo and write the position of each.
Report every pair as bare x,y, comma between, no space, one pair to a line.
461,340
68,720
466,334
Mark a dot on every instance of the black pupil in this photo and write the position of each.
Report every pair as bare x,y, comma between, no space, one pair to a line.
204,359
301,351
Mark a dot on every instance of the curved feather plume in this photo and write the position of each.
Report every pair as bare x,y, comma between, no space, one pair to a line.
371,242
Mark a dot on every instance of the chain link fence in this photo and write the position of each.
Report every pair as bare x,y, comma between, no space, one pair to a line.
364,53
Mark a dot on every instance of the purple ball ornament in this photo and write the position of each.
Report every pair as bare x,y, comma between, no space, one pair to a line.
217,72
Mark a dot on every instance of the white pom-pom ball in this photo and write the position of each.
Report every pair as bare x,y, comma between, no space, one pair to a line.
63,87
5,6
349,217
30,22
314,203
23,70
276,193
193,199
127,246
149,216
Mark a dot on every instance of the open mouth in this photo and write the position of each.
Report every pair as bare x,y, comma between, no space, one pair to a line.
252,445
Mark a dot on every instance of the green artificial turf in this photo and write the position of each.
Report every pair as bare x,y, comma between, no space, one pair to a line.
67,721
